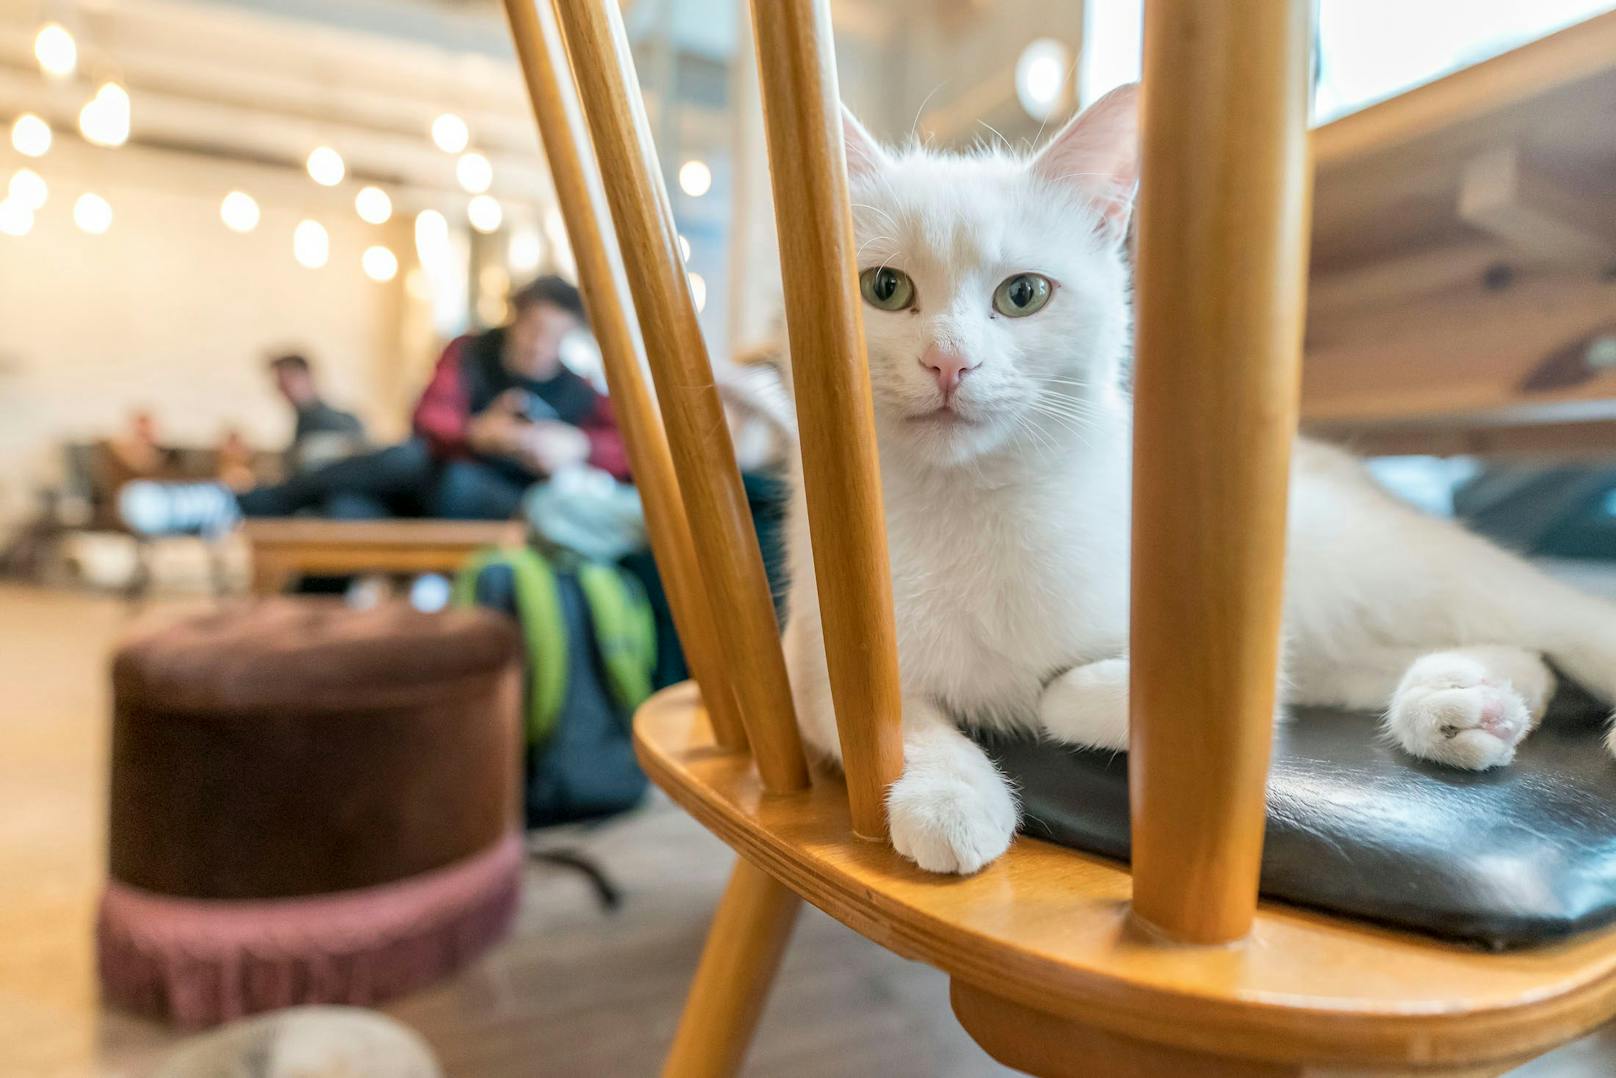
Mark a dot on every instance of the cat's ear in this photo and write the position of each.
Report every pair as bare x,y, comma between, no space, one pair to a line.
1098,153
864,155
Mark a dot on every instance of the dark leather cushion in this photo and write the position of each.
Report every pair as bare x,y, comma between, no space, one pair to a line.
295,747
1507,857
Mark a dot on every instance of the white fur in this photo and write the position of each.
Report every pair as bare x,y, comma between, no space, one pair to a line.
1008,526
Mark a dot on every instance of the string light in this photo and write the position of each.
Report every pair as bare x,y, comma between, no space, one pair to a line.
379,263
525,250
474,173
27,189
695,178
450,133
698,291
1041,76
56,51
311,245
239,212
92,213
325,166
431,237
104,119
15,218
684,248
373,205
485,214
30,135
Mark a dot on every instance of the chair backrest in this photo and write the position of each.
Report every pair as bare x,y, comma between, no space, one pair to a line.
1215,400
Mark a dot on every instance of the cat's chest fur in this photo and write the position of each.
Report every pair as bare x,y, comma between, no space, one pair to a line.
998,585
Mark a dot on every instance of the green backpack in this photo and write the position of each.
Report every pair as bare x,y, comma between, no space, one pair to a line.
618,611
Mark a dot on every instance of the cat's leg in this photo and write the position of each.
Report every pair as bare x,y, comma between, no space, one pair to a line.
1088,705
1469,707
951,810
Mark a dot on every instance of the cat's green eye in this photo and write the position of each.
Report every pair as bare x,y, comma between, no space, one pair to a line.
1021,295
886,288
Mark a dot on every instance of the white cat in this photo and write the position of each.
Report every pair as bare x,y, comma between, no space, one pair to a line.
997,321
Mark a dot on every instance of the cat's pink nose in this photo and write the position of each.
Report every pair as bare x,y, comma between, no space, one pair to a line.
948,367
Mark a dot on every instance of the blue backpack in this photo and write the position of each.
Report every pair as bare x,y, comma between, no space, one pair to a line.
591,648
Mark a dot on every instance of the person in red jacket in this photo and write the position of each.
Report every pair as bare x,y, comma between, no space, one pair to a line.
500,413
503,411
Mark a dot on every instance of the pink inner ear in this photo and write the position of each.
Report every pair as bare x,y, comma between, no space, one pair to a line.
864,154
1098,152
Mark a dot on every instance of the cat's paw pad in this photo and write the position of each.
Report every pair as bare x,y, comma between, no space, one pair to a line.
1449,710
951,822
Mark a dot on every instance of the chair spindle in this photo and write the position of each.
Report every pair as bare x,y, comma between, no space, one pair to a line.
554,97
715,503
1222,269
835,417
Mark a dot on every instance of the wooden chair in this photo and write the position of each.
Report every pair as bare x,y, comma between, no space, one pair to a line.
1062,964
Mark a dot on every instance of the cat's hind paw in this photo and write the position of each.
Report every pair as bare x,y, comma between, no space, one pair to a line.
951,821
1450,710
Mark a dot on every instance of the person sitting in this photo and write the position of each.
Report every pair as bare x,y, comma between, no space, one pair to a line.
500,413
321,432
503,411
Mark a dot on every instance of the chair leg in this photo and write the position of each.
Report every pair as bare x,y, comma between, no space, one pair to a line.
744,945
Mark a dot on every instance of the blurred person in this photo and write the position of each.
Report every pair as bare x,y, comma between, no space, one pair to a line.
135,452
233,460
500,413
321,432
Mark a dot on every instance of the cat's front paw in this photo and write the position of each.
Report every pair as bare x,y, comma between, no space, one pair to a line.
951,821
1449,710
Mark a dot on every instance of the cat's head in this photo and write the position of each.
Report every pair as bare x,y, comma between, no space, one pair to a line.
995,286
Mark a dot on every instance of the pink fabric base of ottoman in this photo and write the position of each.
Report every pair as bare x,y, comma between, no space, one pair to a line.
200,962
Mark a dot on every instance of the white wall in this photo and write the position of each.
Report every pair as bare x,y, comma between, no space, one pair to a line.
172,312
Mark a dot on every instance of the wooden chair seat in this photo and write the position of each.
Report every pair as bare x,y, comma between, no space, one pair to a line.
1045,935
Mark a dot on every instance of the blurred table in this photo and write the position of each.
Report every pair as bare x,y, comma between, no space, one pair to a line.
284,549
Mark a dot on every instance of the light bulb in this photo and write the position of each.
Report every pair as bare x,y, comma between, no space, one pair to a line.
104,119
1041,76
30,135
698,291
695,178
15,218
56,51
484,213
27,189
325,166
379,263
450,133
239,212
684,248
474,173
373,205
525,250
431,237
311,245
92,213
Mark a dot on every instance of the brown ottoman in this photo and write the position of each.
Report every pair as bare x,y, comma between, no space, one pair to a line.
309,804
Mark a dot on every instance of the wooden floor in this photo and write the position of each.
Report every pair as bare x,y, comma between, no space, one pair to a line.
576,992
